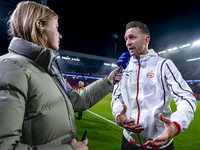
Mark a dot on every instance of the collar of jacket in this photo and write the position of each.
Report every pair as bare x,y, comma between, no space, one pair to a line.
43,56
144,58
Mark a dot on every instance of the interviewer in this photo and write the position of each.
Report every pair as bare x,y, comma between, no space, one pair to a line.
36,104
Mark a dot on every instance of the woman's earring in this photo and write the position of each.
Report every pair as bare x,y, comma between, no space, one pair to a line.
41,28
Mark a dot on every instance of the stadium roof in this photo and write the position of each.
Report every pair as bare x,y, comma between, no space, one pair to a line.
87,56
89,27
93,32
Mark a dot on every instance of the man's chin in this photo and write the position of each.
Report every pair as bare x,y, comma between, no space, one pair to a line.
133,54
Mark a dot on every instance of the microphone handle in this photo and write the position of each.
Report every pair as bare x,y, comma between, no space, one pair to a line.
118,71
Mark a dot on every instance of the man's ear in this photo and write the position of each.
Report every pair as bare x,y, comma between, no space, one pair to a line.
38,24
147,39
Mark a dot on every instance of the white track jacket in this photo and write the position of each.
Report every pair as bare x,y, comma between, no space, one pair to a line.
147,87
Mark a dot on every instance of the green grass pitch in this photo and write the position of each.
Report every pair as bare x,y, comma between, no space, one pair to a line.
103,135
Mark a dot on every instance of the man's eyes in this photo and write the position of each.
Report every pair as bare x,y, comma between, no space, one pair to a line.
131,38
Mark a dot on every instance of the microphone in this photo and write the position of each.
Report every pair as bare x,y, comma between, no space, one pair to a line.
122,63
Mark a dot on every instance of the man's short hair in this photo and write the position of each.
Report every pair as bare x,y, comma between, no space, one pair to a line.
137,24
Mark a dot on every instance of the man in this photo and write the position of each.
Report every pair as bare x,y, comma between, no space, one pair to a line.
81,87
140,102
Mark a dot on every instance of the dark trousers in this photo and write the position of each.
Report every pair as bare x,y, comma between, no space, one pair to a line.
80,114
126,145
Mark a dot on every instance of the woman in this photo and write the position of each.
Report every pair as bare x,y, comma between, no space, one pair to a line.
36,104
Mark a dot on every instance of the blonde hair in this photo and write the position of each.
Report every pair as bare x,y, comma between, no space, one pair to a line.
22,22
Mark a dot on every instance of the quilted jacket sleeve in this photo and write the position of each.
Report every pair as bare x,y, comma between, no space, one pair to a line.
13,95
89,96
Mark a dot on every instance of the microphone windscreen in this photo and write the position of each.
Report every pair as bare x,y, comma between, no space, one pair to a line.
124,60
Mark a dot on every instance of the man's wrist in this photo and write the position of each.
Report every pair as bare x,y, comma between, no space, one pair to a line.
177,126
118,120
117,116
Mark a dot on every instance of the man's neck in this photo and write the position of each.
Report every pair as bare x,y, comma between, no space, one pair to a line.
143,53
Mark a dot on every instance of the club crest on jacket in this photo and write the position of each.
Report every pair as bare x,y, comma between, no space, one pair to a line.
150,74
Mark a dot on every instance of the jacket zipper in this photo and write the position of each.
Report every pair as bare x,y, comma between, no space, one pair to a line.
138,91
138,78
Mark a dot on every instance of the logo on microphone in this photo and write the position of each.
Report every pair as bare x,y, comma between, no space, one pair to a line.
150,74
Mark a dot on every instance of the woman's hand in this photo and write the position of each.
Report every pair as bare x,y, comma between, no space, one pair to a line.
111,77
80,145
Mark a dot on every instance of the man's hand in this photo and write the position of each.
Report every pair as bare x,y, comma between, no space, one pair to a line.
128,124
170,131
80,145
111,77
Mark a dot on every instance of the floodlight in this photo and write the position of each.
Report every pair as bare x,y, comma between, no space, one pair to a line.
67,58
196,43
114,65
185,45
193,59
75,59
107,64
161,52
172,49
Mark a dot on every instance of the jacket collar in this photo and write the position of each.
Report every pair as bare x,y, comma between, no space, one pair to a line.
144,58
43,56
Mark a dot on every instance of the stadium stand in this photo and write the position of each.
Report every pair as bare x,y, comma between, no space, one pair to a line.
88,65
81,64
87,68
